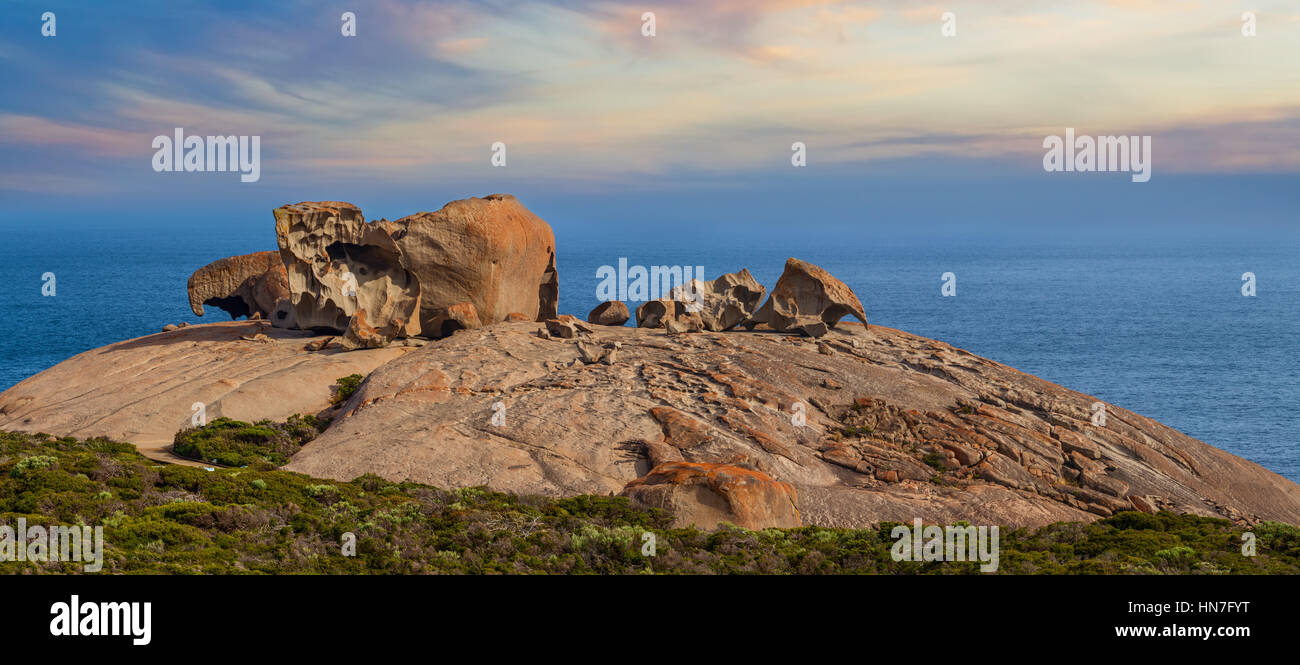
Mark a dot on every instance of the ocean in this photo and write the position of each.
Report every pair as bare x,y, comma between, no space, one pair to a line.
1152,319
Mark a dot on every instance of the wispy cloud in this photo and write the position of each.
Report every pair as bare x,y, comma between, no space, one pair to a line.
576,91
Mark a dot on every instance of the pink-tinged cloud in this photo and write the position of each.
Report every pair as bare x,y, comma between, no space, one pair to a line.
99,141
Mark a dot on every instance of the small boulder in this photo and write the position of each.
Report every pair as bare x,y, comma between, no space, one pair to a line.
461,316
706,495
609,313
674,315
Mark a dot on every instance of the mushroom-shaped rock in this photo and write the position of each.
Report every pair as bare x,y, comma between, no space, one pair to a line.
243,285
804,294
346,274
609,313
490,252
706,495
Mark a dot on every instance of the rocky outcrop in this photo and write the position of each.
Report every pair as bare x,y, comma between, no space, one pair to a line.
865,425
727,301
708,495
346,274
676,316
719,304
609,313
756,428
809,300
490,252
471,263
246,285
144,390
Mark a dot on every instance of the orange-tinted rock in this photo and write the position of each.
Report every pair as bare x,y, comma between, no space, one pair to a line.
706,495
515,317
674,315
246,285
462,316
680,430
609,313
338,265
804,294
490,252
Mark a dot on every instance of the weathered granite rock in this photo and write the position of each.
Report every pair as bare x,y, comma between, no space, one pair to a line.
858,449
490,252
806,293
884,426
245,285
462,316
676,316
346,274
718,304
727,301
707,495
609,313
144,390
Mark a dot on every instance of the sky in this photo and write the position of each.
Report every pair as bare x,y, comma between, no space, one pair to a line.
605,125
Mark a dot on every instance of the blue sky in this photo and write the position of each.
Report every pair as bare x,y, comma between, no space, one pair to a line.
604,125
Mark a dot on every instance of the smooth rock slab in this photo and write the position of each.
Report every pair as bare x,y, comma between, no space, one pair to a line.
141,390
767,401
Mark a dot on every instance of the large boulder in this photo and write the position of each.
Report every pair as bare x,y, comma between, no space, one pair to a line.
708,495
807,299
490,252
346,274
246,285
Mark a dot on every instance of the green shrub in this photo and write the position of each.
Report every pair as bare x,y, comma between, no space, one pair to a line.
234,443
182,519
345,387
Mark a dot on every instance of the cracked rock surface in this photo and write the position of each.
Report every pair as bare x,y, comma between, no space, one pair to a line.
865,425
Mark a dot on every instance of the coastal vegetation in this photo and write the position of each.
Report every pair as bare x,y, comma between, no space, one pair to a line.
161,518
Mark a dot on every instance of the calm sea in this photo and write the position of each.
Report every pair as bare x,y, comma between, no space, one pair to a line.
1153,320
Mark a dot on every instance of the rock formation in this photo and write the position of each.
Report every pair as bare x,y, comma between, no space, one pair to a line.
346,274
719,304
490,252
710,494
144,390
809,300
865,425
609,313
677,316
728,300
244,286
759,428
471,263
